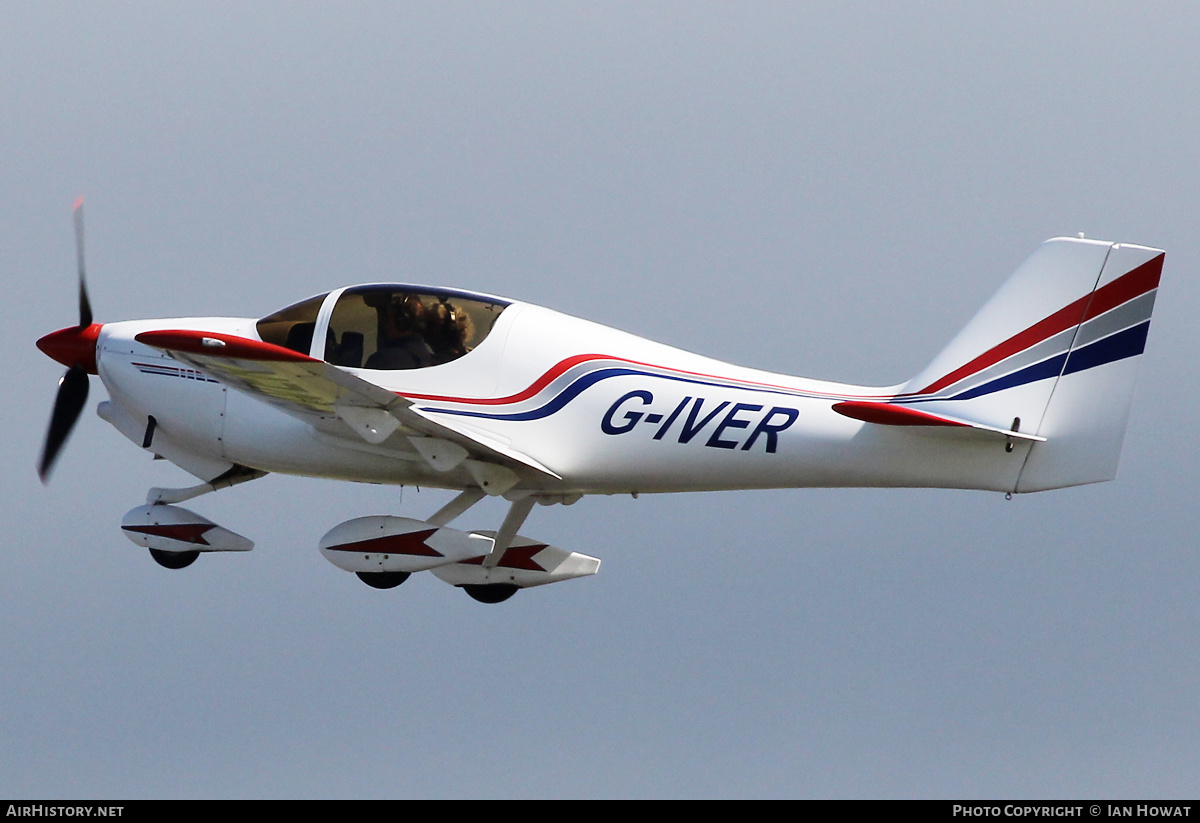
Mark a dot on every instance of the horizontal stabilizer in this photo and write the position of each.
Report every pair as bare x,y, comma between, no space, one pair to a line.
893,414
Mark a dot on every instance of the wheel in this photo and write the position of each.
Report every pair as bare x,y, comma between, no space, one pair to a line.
383,580
174,560
491,592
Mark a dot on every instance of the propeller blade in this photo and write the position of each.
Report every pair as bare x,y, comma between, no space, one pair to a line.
72,395
85,305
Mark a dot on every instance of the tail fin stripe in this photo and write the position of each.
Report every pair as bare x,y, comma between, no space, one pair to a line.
1128,286
1130,314
1035,362
1133,283
1046,369
1055,346
1065,318
1128,343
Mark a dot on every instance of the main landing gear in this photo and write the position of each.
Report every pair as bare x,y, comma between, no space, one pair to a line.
384,551
383,580
489,566
176,536
174,560
490,592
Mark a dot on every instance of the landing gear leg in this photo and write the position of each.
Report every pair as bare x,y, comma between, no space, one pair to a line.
517,513
236,475
461,502
499,592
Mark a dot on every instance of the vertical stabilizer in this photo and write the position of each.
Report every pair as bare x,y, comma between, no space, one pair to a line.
1052,354
1084,423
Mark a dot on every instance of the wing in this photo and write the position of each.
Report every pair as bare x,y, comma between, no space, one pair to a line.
331,399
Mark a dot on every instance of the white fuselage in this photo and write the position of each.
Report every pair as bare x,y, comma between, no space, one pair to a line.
607,411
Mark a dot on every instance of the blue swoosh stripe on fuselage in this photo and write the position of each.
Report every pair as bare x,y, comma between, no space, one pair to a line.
580,384
1128,343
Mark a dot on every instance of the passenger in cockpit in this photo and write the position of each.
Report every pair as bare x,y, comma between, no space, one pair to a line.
401,342
444,332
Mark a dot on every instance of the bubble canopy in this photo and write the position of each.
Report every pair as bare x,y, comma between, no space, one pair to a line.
385,326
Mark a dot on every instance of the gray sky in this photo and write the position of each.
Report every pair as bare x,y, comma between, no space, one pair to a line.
824,189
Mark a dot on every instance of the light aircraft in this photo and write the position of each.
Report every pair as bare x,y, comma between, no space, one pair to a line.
412,385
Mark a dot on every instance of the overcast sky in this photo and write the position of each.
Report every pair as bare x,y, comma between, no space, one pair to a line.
823,189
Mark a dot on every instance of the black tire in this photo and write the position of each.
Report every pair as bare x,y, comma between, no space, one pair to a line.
383,580
491,592
174,560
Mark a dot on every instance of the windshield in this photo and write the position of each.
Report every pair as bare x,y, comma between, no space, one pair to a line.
292,327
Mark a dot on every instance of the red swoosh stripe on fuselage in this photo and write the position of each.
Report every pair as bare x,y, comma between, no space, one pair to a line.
563,366
567,379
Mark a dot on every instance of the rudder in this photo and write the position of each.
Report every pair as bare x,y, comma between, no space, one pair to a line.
1085,420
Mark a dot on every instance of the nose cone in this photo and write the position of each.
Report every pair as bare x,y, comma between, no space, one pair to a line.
73,346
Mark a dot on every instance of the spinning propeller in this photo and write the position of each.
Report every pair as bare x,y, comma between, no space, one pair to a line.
75,348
